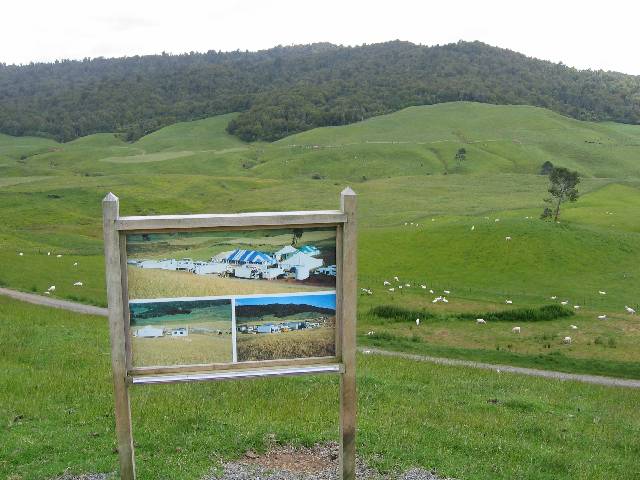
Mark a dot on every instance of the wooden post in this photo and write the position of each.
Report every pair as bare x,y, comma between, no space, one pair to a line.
110,213
348,308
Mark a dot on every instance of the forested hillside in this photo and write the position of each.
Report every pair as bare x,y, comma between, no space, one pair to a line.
286,90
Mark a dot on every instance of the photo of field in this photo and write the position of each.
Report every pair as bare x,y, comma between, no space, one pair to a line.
169,265
286,326
181,332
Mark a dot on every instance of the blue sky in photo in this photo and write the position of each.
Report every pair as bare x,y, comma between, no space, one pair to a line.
327,300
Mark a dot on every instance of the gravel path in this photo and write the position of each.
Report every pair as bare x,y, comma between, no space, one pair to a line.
53,302
317,463
534,372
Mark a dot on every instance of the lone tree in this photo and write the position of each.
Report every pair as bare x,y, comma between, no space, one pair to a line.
562,188
461,154
547,168
297,235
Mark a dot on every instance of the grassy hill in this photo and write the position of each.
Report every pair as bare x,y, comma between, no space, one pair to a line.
50,197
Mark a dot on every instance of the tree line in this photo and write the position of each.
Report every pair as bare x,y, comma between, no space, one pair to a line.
285,90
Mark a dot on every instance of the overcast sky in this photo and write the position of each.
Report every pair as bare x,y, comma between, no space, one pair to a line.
584,34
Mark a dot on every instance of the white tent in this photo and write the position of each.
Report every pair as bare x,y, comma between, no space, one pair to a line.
285,252
301,261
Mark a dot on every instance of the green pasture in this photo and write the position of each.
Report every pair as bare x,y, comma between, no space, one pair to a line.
56,407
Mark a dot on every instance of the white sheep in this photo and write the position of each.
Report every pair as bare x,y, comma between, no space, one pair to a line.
508,302
473,227
481,321
577,307
436,300
407,284
75,264
553,297
392,289
564,302
446,292
629,310
417,322
515,329
52,288
424,287
77,284
21,254
602,317
396,279
566,340
573,327
370,333
58,256
507,238
385,283
48,254
444,299
602,292
497,220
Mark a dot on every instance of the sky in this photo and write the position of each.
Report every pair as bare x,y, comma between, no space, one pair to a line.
582,34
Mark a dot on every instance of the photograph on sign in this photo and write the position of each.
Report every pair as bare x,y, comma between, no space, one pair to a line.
181,332
285,326
221,263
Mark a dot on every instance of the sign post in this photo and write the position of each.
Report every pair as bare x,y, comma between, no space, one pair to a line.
348,304
225,303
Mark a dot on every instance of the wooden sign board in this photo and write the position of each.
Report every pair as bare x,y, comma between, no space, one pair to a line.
231,296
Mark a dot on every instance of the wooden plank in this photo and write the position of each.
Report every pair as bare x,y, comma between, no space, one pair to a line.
237,374
254,220
348,306
210,367
115,297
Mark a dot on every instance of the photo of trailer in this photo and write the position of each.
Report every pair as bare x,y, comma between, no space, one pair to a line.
285,326
181,331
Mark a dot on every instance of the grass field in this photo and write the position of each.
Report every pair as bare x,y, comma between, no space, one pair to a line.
191,350
151,283
56,406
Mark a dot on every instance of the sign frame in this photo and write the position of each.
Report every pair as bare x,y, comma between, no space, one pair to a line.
116,228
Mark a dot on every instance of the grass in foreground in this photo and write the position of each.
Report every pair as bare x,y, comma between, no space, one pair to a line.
56,410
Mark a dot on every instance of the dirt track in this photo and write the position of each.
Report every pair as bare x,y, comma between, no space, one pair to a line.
534,372
53,302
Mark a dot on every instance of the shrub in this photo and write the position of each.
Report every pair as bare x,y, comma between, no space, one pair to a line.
399,314
546,312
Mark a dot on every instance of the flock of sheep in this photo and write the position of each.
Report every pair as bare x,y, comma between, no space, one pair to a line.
481,321
52,288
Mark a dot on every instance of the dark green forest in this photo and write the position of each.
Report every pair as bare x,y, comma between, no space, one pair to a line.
286,90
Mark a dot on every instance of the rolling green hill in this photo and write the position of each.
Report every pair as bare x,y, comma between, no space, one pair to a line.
403,167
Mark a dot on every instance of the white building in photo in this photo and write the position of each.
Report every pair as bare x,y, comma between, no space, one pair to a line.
168,264
285,252
301,264
209,268
149,331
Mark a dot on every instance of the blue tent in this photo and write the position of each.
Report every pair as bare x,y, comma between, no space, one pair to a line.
250,256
